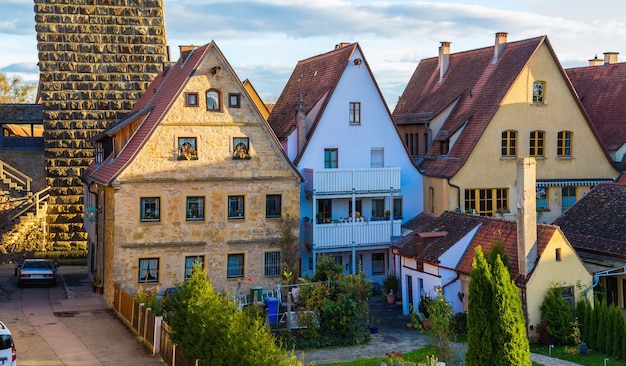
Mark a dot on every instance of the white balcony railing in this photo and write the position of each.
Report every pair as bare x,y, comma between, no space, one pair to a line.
348,180
357,233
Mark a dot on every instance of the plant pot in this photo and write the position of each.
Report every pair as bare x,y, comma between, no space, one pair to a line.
391,298
426,323
409,325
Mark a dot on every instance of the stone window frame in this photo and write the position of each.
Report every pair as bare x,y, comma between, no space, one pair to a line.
235,265
236,207
189,212
146,214
272,263
146,273
190,260
241,148
271,211
187,147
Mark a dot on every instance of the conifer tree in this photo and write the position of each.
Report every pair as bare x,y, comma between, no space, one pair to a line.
581,306
587,322
618,332
601,337
593,326
509,335
479,313
608,335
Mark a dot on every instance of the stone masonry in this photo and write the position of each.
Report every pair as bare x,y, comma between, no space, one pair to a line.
96,58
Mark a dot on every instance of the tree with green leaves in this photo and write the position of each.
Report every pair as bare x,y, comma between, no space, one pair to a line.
608,335
13,89
619,331
602,318
440,315
290,247
593,326
587,322
509,334
209,327
556,317
479,313
497,249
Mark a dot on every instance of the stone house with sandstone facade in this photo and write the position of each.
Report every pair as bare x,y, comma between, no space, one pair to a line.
192,175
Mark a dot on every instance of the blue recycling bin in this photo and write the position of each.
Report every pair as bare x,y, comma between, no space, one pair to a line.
271,304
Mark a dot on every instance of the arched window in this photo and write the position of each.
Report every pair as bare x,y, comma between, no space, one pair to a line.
213,100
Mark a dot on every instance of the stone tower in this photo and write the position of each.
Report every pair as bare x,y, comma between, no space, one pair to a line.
96,58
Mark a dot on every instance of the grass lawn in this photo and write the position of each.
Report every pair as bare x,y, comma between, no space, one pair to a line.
570,353
414,356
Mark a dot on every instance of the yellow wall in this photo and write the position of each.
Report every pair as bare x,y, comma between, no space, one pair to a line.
486,168
443,196
157,172
569,271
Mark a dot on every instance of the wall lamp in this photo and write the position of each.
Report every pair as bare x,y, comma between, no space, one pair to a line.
358,61
92,214
215,70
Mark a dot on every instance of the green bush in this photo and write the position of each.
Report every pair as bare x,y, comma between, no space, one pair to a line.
150,298
557,318
458,325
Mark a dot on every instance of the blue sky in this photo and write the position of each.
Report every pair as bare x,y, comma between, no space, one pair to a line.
264,39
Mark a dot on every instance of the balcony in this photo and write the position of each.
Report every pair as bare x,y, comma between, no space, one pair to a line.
343,181
335,235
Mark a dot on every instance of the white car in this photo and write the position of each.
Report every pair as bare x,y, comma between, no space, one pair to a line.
7,347
37,271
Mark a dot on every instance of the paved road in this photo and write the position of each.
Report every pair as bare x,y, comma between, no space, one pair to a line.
55,327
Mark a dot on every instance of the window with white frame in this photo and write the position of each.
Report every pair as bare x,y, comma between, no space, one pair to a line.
187,148
241,148
150,210
235,265
148,270
213,100
539,92
191,261
195,208
236,207
272,264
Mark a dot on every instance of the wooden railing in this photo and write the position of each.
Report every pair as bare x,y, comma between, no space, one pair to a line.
15,176
36,201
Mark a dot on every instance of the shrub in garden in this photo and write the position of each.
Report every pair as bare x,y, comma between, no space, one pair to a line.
150,298
458,324
556,317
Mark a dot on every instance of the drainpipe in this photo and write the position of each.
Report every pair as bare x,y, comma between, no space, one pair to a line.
596,281
458,193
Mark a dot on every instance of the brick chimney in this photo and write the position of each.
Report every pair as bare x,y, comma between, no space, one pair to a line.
444,59
610,58
186,50
595,61
342,45
526,215
301,124
500,45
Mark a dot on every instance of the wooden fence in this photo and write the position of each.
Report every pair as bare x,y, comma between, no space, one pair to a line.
152,331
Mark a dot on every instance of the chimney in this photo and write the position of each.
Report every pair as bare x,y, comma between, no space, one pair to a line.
444,59
595,61
341,45
301,125
186,50
499,46
610,58
526,215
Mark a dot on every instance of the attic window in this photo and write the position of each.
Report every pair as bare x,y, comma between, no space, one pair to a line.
213,100
538,92
234,100
557,254
241,148
191,99
444,147
99,153
187,148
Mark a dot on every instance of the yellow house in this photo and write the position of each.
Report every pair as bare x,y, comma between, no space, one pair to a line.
484,108
438,255
193,175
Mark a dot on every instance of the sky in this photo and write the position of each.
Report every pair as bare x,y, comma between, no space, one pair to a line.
264,39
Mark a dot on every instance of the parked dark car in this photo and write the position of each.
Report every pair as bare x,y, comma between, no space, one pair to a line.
38,272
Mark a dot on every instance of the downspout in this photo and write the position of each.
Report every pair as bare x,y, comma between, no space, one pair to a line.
458,194
596,281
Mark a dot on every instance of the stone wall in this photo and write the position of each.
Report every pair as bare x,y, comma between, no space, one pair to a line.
96,58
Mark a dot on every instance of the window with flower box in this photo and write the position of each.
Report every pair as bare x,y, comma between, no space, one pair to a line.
241,148
187,148
150,210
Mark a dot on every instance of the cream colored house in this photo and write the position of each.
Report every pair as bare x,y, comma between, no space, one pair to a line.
486,107
438,256
193,175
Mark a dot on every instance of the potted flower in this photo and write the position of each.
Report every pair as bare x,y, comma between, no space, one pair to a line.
387,214
391,285
319,216
424,310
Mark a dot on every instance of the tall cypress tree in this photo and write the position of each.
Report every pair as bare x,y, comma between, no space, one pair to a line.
618,332
608,335
510,341
587,323
601,337
479,313
593,326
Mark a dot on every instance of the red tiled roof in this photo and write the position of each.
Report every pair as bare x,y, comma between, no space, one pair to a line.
596,222
313,79
476,84
602,92
458,225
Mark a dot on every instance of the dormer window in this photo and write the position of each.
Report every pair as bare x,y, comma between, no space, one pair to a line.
191,99
213,100
99,153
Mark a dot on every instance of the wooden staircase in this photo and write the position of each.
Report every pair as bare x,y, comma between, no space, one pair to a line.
23,214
